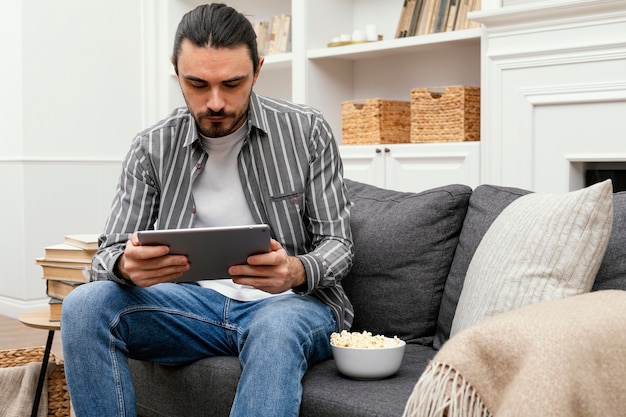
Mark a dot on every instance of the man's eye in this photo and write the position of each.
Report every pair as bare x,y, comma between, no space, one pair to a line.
198,85
231,85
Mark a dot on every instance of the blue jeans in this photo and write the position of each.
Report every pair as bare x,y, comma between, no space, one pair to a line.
276,339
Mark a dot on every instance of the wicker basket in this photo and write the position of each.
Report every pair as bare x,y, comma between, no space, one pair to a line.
58,395
451,116
375,121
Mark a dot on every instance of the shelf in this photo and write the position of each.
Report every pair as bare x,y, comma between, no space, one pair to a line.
278,61
397,46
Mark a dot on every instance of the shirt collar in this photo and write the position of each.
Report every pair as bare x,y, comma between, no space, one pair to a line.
256,119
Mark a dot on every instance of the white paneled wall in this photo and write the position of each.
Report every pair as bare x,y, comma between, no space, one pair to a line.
71,99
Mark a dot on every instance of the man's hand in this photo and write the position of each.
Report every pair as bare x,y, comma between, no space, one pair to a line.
149,265
273,272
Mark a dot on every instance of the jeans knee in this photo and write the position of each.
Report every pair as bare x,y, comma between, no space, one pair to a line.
87,301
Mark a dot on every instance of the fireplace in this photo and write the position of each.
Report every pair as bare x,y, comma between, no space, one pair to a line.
599,171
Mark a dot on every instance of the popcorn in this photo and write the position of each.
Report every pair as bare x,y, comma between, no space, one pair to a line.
363,340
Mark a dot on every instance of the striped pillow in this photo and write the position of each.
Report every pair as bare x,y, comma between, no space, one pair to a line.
541,247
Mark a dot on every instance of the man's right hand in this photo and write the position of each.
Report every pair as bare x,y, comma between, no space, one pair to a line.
149,265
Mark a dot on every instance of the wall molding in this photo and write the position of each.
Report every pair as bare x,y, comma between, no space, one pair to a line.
13,307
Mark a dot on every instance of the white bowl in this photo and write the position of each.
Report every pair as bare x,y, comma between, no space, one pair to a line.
368,363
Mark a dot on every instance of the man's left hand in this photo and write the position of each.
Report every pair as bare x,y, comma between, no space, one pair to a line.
273,272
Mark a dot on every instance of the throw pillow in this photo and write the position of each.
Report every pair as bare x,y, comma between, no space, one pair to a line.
541,247
404,244
485,204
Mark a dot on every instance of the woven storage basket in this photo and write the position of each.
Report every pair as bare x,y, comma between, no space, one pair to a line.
375,121
58,395
451,116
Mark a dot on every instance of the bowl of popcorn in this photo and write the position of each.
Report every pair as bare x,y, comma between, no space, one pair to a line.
365,356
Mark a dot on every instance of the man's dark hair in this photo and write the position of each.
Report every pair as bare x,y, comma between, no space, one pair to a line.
216,25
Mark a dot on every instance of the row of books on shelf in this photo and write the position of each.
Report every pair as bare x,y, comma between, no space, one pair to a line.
423,17
65,266
273,37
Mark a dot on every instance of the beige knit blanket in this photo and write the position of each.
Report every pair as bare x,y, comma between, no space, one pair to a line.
17,390
559,358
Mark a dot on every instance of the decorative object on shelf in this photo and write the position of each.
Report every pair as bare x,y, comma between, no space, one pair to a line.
339,42
370,34
449,114
375,121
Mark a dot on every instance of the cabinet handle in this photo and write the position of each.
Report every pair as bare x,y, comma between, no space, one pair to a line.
387,150
378,150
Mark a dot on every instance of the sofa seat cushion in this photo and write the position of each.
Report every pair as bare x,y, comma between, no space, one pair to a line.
404,245
207,388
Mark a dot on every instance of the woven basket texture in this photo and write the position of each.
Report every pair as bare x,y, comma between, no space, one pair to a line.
451,116
58,395
375,121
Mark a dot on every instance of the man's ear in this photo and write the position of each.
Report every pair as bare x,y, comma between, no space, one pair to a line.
258,69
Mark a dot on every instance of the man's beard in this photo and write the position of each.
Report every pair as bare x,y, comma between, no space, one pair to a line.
218,129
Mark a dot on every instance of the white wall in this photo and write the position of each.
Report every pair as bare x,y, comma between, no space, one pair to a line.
71,99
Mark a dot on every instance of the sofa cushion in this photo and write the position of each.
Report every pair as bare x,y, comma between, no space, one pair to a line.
543,246
485,204
207,388
612,273
404,245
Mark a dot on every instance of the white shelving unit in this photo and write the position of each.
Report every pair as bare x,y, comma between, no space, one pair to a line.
324,77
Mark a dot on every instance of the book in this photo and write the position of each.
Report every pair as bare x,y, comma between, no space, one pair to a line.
60,289
461,17
56,306
417,10
273,30
406,30
63,264
261,29
78,274
475,5
440,18
68,253
426,17
84,241
452,13
402,19
283,43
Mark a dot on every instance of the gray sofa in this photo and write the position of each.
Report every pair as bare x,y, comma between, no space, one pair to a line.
412,253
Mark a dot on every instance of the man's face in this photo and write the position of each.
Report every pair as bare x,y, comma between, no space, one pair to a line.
216,84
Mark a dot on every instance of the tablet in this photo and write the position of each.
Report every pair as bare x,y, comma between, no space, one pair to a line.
211,250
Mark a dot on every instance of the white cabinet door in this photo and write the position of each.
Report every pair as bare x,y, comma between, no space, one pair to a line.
419,167
413,167
365,164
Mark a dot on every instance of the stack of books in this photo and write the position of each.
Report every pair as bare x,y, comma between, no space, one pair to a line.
273,37
422,17
65,266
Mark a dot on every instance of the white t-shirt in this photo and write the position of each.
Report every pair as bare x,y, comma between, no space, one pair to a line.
220,201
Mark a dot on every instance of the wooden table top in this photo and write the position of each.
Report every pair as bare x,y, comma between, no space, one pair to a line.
40,319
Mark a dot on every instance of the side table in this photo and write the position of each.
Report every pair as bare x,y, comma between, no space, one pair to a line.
40,319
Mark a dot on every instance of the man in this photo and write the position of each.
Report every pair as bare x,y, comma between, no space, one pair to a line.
230,158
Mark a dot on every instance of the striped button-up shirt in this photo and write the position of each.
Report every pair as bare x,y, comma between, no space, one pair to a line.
291,174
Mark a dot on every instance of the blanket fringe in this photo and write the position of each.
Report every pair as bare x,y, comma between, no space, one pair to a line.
442,392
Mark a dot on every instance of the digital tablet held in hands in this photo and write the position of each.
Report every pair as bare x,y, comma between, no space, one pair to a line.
211,250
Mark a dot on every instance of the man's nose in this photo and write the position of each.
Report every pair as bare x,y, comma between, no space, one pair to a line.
215,102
